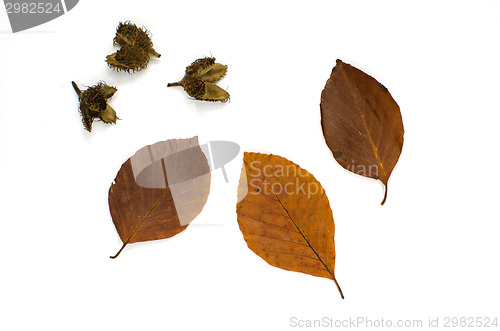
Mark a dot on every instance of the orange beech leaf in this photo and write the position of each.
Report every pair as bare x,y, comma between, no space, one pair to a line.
285,216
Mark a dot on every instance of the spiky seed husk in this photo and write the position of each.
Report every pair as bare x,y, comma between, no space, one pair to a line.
215,73
93,104
128,34
204,91
136,48
129,59
200,65
106,91
215,93
87,120
198,79
194,87
108,116
207,70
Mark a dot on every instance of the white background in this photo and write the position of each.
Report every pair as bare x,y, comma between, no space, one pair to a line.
431,251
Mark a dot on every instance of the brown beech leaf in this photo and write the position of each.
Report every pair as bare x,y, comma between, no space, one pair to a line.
159,191
285,216
361,123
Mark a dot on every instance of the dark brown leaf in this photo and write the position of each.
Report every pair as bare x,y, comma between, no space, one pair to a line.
159,191
361,123
285,216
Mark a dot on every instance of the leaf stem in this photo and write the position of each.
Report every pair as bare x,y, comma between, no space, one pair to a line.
385,194
140,224
121,249
338,287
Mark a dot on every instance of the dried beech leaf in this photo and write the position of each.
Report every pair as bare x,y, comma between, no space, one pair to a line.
159,191
285,216
199,78
361,123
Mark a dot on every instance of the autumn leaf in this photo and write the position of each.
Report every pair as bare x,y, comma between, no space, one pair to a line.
285,216
159,191
361,123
